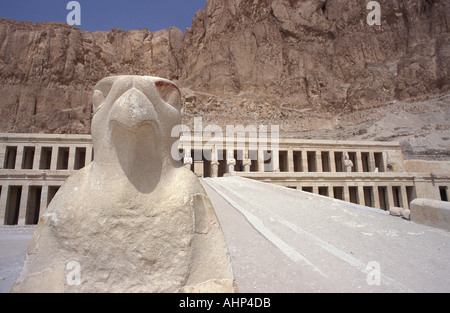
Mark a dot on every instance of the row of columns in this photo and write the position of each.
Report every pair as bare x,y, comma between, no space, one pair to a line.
293,165
25,203
347,162
24,206
376,198
215,161
21,156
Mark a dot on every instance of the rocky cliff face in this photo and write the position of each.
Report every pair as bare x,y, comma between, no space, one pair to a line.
47,71
320,55
303,64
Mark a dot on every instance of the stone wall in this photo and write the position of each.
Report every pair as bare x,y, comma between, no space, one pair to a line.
431,212
33,167
299,64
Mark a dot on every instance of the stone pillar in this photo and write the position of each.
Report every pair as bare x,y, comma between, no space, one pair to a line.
246,162
19,157
23,205
88,159
372,166
290,159
214,163
332,162
390,196
319,165
44,199
359,162
385,158
376,197
331,192
346,192
2,156
215,169
198,168
305,161
361,195
71,161
54,160
275,161
231,161
315,190
404,196
261,161
187,160
3,200
37,157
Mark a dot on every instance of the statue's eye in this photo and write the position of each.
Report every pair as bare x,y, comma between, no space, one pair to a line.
98,100
101,91
170,94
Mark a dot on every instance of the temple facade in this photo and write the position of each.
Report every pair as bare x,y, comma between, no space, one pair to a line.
34,166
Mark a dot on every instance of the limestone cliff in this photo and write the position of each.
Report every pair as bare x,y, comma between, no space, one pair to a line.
306,65
48,71
318,55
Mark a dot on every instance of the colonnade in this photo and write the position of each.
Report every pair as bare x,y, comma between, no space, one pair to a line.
33,167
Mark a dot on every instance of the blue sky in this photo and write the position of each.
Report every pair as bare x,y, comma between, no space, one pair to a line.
106,14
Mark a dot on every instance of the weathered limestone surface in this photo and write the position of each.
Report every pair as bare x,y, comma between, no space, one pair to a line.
314,61
431,212
47,70
135,220
255,61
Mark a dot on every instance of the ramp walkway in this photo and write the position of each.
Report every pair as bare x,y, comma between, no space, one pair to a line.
285,240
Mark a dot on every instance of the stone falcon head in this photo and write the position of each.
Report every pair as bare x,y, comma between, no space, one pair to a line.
136,100
135,219
132,123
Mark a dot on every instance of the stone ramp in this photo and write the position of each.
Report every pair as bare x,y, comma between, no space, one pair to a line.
284,240
13,249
